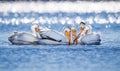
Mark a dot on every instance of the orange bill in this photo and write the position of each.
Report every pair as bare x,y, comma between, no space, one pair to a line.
74,32
67,34
74,35
69,37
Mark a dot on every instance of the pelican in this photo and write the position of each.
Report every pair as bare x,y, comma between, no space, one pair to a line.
45,36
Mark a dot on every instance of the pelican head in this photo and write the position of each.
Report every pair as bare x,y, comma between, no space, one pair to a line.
36,30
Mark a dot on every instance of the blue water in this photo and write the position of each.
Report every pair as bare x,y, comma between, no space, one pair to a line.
104,57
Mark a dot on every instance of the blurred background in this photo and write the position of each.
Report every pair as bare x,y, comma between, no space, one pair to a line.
59,0
102,15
